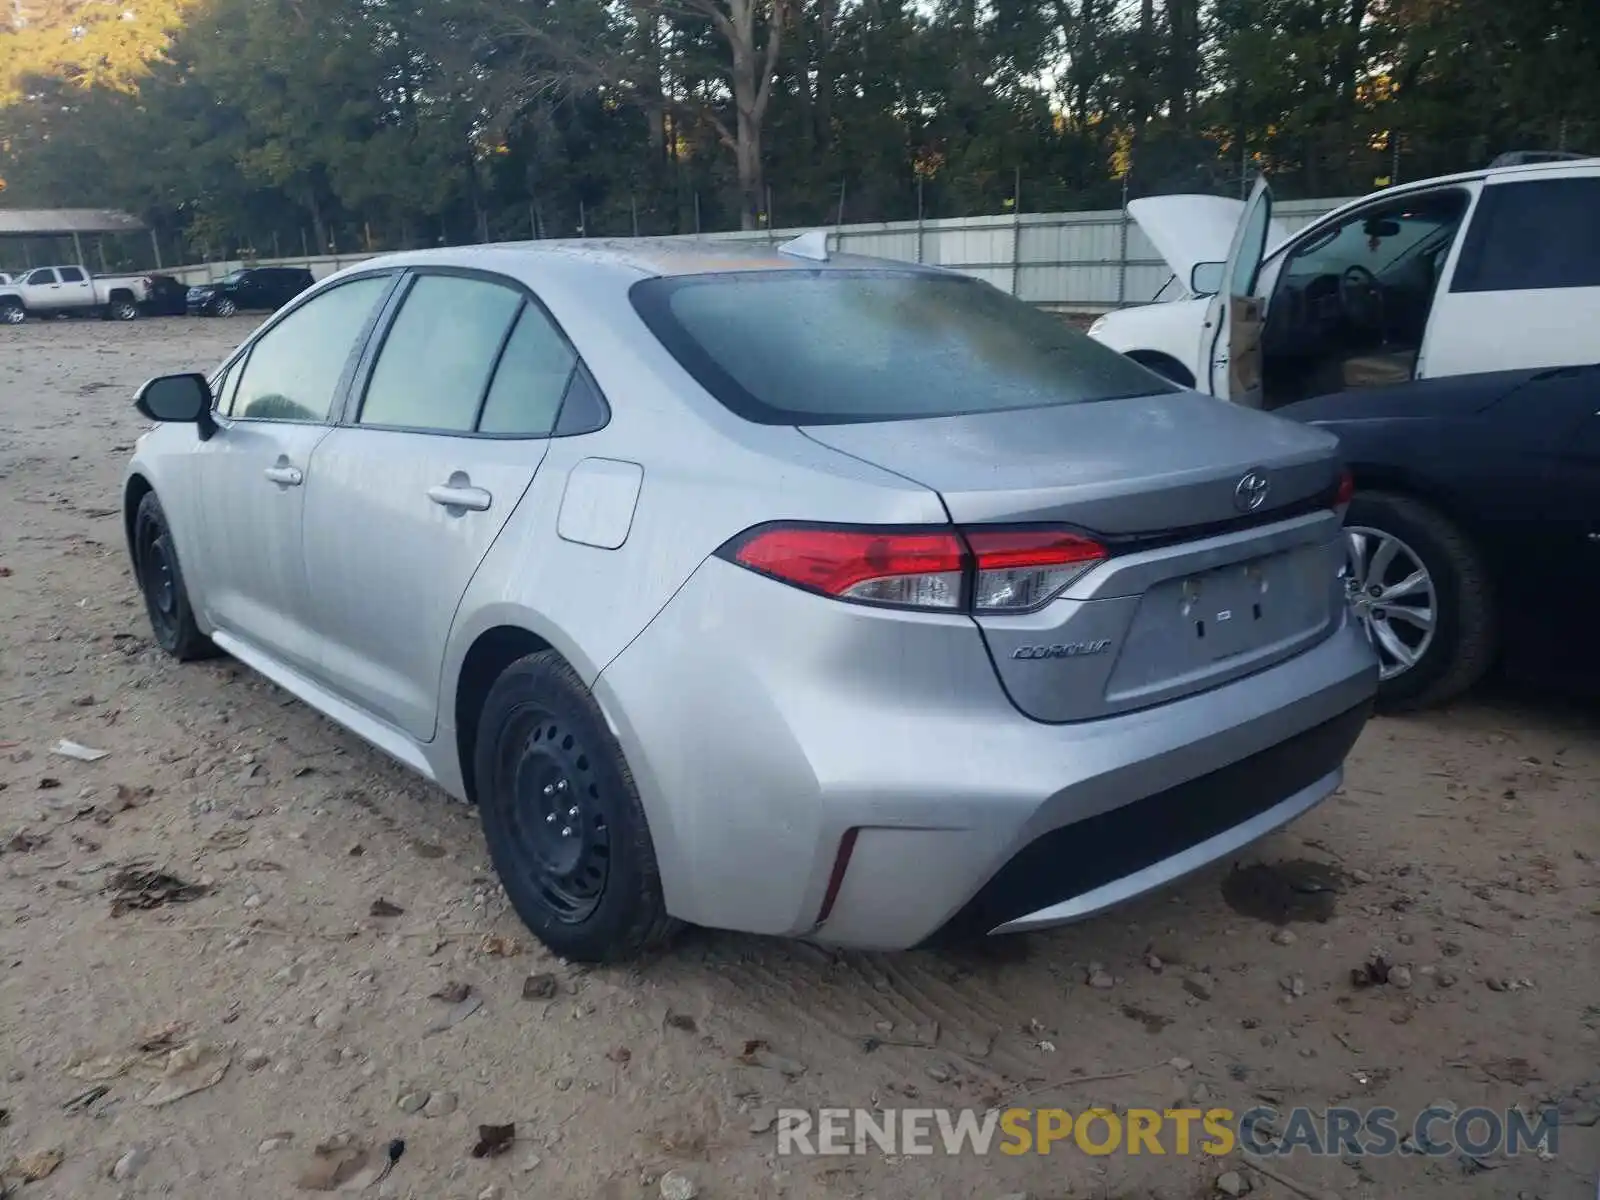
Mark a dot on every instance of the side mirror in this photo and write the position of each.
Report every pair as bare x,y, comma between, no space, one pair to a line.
180,398
1205,279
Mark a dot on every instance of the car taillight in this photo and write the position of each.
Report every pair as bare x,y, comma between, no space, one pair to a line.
1021,569
1347,489
981,569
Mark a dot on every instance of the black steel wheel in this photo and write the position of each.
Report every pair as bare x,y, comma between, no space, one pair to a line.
155,561
562,817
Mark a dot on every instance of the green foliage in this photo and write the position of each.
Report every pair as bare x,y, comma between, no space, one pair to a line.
335,123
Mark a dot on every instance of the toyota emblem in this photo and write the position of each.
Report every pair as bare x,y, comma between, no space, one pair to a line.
1250,493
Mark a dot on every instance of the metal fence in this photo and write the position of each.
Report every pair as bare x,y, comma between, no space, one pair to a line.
1072,262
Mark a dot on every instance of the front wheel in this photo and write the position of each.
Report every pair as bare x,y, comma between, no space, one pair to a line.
1421,590
225,307
166,599
562,817
12,313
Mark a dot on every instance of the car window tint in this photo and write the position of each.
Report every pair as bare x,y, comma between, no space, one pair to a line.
42,275
583,408
1540,234
841,345
294,367
438,353
530,380
71,275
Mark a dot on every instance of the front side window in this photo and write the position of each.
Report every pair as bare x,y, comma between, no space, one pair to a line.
42,275
1542,233
439,353
825,347
294,368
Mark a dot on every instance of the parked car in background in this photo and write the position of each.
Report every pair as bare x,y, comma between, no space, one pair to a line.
1420,281
57,291
253,289
762,590
166,297
1475,527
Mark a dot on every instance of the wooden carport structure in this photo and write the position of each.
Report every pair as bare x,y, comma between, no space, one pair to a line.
30,225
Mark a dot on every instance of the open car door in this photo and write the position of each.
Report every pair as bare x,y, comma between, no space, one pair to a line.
1230,340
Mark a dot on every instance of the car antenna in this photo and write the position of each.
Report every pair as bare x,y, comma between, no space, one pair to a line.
812,245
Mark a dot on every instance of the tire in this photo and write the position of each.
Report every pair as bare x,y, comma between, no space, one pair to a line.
122,309
1165,366
562,817
225,308
166,599
1463,640
12,313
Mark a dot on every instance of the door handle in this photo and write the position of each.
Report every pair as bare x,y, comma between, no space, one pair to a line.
448,495
286,475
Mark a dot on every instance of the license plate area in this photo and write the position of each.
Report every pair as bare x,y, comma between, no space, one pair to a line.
1189,631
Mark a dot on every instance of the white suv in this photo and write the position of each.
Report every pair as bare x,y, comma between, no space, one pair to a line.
1490,270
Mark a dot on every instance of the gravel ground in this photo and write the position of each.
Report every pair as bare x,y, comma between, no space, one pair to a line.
1463,850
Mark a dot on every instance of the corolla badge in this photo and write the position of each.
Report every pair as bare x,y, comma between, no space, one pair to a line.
1063,649
1250,493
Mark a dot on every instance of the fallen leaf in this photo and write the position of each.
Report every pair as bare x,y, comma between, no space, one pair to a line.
497,945
757,1053
621,1055
385,908
137,888
457,1014
1374,972
424,849
75,750
682,1021
48,782
190,1069
132,797
494,1140
543,986
40,1164
453,992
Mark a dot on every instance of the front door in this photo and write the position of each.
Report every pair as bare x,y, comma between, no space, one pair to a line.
1230,340
406,499
41,290
253,472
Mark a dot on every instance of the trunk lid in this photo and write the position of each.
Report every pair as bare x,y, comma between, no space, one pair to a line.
1199,588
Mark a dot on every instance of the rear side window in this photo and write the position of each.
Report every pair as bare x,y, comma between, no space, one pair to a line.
1544,233
439,353
531,379
823,347
295,367
72,275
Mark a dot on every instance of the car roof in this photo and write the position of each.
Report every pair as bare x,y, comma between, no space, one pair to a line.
1530,170
641,257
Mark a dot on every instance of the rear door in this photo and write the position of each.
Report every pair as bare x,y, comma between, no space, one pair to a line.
1530,262
406,498
1230,340
77,289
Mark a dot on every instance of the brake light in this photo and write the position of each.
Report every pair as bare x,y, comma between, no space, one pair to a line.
981,570
1347,489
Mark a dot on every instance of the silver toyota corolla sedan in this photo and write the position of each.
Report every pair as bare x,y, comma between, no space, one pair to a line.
746,587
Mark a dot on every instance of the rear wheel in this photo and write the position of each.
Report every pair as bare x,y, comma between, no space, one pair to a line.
1421,590
155,559
12,312
123,308
562,817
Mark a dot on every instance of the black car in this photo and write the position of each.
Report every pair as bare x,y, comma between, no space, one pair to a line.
260,288
1475,528
167,297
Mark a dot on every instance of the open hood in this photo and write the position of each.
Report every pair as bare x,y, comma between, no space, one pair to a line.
1186,230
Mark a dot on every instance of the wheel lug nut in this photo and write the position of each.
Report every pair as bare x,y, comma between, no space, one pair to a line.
566,831
550,818
561,785
573,812
549,789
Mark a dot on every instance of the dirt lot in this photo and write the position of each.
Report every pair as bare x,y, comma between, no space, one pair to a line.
1463,849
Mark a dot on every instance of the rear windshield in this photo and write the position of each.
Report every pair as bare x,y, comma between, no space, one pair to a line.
830,347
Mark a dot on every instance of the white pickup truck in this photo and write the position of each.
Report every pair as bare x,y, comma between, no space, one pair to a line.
48,291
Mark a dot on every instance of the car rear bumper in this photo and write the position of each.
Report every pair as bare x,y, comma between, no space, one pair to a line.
837,771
